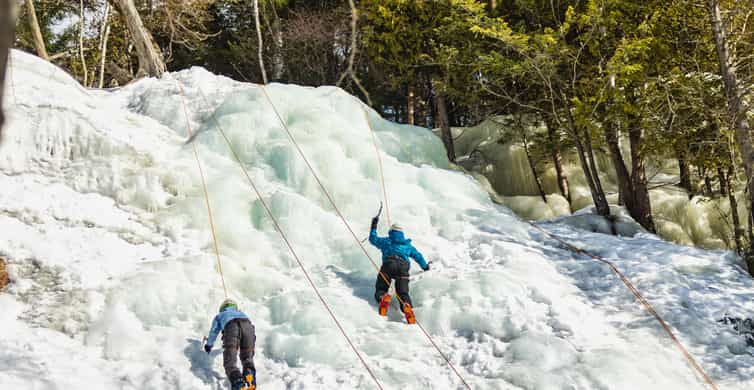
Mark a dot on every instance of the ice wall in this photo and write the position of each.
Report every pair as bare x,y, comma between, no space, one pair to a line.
106,234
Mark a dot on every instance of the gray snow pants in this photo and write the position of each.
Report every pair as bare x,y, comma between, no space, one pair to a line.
238,340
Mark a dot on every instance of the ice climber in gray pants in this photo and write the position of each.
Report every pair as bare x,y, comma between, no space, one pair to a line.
238,341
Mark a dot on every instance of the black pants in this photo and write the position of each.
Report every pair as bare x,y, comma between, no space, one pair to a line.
393,269
238,340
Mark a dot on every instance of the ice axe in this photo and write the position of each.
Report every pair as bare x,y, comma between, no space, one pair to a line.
379,212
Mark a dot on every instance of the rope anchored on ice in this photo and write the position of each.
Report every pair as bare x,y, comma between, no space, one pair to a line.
206,191
648,306
350,229
288,244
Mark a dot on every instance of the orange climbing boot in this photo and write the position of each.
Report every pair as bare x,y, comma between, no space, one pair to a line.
250,380
384,304
409,312
251,383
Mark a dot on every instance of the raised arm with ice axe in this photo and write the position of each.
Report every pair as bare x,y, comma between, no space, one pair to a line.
396,254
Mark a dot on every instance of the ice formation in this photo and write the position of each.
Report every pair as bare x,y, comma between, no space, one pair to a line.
114,281
489,150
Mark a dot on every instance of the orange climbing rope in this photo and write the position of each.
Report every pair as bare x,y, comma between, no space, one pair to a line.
206,192
645,303
355,237
379,164
288,244
648,306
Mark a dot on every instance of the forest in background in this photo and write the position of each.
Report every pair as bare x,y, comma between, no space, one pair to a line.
636,81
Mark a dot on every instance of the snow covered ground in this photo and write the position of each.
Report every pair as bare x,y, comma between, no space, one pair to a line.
104,225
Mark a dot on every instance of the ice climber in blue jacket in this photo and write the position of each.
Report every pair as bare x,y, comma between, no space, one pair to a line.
396,254
238,340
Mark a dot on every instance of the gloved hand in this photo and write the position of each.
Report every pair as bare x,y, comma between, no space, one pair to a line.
427,267
207,348
375,221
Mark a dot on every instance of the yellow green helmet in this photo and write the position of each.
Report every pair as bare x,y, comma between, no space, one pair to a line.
228,303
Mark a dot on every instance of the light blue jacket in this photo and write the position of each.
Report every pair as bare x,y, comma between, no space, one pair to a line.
396,245
222,319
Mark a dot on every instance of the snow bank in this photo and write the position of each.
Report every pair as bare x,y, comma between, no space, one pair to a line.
107,239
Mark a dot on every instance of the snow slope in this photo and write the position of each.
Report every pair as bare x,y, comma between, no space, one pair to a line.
105,230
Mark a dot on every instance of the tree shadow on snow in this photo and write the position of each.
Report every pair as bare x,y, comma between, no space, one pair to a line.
201,363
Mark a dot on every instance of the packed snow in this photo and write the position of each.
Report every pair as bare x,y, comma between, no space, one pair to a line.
114,280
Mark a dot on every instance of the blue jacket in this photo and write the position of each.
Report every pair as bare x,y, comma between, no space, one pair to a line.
396,245
222,319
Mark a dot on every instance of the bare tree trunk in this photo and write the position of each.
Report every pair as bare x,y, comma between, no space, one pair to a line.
81,44
260,51
276,31
444,124
278,61
619,165
685,173
747,256
642,205
598,195
751,230
151,62
7,36
119,75
532,164
36,32
411,99
737,230
708,185
595,171
352,56
738,107
723,182
104,34
557,160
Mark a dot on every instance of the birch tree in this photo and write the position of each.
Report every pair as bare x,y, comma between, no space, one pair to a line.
151,61
39,42
737,101
260,51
